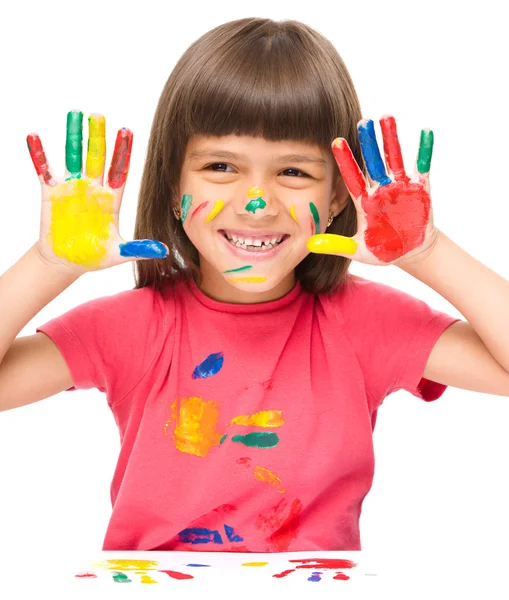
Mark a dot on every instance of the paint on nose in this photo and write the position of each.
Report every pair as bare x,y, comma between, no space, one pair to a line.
255,199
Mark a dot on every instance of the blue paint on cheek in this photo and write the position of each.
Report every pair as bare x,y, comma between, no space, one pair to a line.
371,153
231,535
210,366
200,535
144,249
315,576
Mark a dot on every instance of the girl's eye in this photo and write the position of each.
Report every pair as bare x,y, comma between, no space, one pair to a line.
220,167
295,173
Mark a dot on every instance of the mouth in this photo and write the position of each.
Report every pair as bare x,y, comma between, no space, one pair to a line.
261,242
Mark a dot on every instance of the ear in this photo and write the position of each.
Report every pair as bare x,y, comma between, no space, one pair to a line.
340,195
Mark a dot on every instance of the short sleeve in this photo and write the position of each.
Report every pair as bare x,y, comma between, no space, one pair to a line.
393,334
109,343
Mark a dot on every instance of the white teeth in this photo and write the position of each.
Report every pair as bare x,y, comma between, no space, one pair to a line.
253,245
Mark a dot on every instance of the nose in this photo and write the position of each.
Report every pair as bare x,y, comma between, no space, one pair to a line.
258,203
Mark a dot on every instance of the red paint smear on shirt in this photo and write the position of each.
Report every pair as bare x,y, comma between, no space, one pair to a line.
284,573
324,563
284,529
199,207
396,216
176,574
225,509
244,460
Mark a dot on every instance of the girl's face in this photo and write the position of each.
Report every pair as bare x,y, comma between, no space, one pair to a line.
249,205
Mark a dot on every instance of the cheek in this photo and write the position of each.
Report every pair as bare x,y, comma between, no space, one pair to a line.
306,214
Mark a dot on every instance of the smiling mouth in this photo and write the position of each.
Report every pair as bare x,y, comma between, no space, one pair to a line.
254,244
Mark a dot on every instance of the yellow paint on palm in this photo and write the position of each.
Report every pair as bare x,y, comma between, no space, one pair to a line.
126,564
81,222
218,207
254,192
292,212
252,279
195,430
330,243
263,474
264,418
96,152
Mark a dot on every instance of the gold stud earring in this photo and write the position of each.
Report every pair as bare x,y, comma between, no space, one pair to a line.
177,213
331,218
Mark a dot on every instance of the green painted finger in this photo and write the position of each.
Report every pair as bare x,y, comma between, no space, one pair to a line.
425,151
74,143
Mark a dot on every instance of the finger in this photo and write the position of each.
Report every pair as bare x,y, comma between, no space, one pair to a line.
96,148
392,149
74,145
352,175
144,249
330,243
371,152
38,156
425,151
119,167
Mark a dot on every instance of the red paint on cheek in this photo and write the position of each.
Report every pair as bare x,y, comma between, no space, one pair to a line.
397,216
197,209
176,574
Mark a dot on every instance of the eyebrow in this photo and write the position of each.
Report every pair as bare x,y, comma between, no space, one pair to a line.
295,158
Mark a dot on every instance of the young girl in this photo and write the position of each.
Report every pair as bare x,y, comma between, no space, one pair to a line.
246,368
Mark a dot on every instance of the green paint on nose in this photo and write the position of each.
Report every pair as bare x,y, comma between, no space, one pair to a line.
316,217
425,151
74,143
252,205
262,439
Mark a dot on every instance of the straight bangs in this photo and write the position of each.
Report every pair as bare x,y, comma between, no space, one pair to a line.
277,80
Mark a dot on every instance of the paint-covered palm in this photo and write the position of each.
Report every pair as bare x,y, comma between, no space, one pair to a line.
394,212
79,214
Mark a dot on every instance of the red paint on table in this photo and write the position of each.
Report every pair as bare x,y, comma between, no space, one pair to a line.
176,574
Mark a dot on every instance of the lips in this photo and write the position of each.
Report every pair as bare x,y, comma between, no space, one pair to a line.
260,251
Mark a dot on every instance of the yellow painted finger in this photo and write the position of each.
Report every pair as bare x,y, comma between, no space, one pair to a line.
96,151
330,243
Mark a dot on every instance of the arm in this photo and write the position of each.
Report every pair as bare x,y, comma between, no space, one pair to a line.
31,367
472,355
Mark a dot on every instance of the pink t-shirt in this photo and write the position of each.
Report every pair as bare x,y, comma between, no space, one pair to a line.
246,428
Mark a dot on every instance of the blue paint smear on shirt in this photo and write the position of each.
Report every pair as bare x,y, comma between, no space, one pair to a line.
232,536
210,366
200,535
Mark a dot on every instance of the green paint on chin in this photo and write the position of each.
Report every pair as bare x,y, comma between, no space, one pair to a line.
252,205
316,217
262,439
186,202
239,269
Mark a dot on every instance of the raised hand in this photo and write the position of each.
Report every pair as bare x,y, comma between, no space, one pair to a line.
79,214
394,213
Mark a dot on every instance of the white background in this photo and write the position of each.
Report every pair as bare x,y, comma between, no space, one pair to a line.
441,468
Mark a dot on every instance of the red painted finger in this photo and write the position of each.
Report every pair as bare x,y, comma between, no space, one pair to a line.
392,149
352,175
39,159
119,168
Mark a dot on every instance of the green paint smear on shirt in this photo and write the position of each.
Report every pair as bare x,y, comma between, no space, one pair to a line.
252,205
316,217
73,143
187,200
239,269
223,439
121,578
425,151
262,439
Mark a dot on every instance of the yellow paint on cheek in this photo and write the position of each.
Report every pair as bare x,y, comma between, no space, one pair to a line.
254,564
262,474
120,564
264,418
292,212
81,222
254,192
96,153
218,207
195,430
252,279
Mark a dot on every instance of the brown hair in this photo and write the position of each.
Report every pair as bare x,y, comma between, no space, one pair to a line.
279,80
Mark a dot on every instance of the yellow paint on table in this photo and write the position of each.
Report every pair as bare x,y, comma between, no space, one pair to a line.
263,418
252,279
254,564
195,430
218,207
96,151
81,222
127,564
263,474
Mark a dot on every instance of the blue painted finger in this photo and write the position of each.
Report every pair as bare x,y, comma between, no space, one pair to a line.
371,152
144,249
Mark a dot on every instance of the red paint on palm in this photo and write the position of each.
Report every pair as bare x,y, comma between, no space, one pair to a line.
39,158
396,215
117,174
